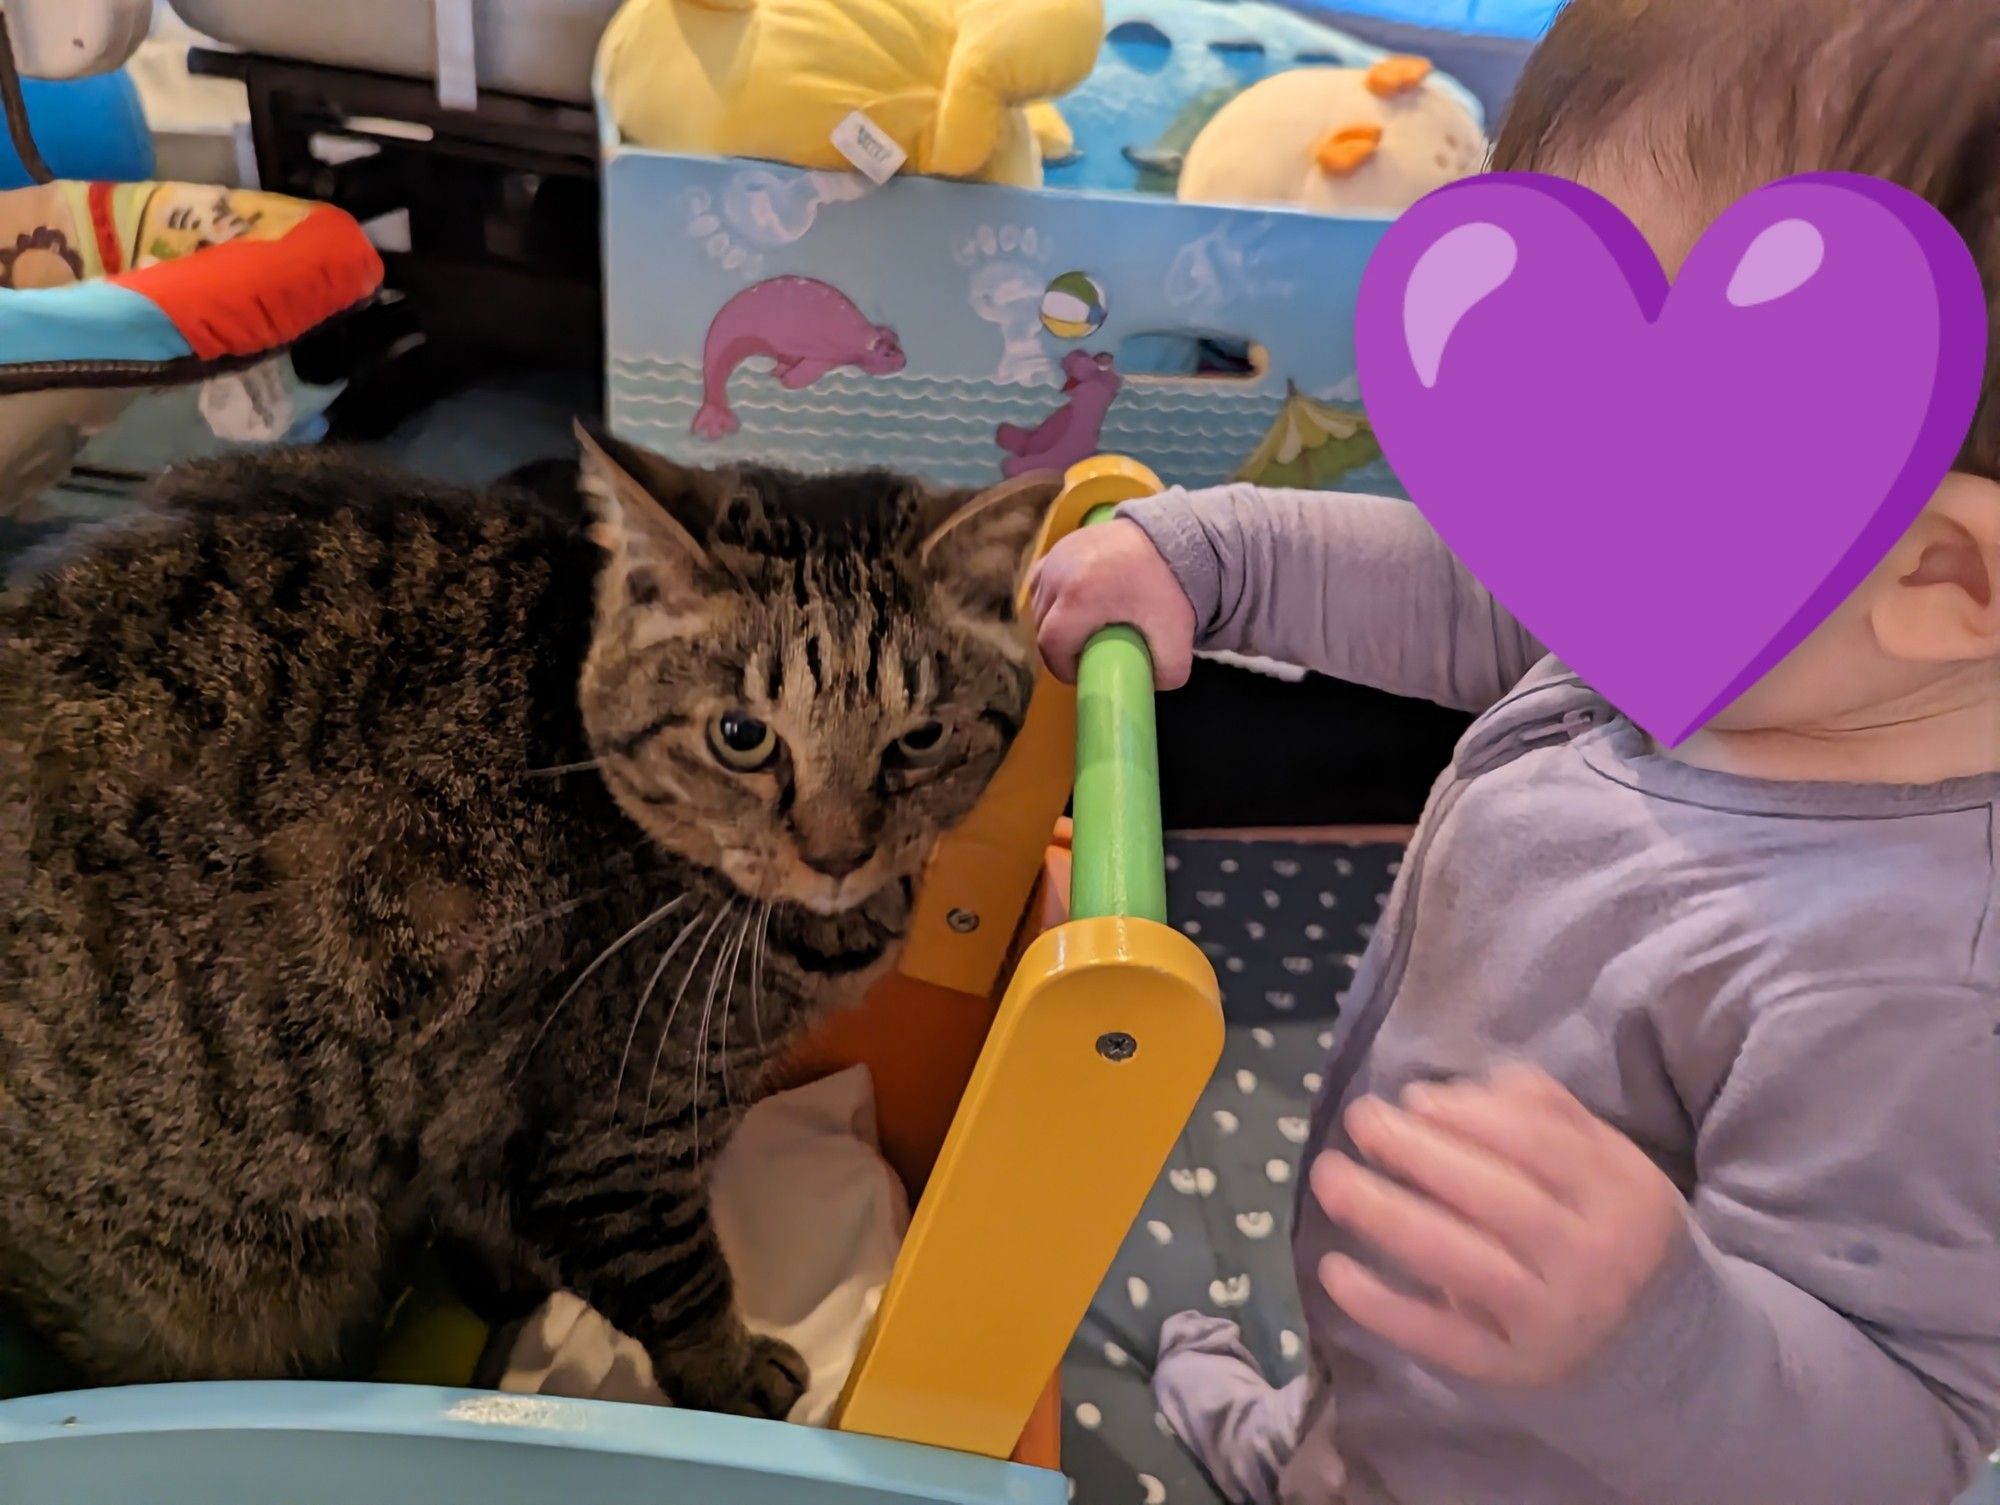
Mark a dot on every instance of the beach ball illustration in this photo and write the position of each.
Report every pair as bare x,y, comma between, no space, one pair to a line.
1074,306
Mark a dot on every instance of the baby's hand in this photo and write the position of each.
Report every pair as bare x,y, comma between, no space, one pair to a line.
1111,575
1536,1224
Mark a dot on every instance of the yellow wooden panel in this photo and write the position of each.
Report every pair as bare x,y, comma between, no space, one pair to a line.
1059,1137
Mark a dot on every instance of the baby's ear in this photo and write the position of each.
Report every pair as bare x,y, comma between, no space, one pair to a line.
1938,599
649,515
979,544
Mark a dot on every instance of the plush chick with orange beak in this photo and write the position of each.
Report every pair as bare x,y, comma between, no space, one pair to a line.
1335,140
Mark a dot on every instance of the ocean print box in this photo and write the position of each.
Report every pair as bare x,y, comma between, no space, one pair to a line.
964,332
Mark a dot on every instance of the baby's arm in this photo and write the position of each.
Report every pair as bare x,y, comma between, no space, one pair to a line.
1831,1336
1357,587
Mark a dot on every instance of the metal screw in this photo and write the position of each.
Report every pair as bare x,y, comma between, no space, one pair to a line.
1117,1046
964,921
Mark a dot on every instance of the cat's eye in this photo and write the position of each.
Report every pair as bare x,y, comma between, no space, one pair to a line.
741,742
921,746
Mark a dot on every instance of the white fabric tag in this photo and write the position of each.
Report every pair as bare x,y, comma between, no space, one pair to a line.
458,67
249,407
872,150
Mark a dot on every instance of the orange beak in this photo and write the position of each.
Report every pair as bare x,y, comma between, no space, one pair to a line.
1343,152
1397,75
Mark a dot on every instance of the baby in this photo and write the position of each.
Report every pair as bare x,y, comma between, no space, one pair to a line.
1658,1157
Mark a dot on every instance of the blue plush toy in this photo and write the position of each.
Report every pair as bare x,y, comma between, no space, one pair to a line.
87,128
1522,19
1168,66
1481,43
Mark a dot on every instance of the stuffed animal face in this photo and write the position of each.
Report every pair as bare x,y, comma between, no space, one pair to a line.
1336,140
950,81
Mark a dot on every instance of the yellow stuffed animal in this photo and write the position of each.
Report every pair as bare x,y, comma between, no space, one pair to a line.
1338,140
951,81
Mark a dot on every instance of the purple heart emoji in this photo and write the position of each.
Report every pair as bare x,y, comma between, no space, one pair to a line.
1671,488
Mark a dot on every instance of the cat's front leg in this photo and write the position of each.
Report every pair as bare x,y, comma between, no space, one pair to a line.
624,1219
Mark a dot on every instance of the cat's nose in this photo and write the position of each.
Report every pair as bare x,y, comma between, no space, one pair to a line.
838,863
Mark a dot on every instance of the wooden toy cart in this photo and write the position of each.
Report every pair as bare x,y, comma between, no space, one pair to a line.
1034,1059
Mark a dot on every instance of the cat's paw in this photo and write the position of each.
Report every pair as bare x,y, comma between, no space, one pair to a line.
761,1377
774,1379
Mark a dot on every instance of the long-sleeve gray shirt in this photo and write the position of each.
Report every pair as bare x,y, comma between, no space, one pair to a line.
1787,994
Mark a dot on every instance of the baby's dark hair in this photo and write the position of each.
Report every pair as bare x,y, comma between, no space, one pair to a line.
1714,98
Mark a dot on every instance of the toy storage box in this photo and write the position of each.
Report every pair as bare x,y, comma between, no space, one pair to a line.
958,332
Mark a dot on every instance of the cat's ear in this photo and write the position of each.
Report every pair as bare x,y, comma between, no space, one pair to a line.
648,514
979,543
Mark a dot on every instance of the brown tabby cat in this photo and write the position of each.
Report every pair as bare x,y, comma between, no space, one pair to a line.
383,865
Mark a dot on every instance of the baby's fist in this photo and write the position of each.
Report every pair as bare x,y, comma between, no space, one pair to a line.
1537,1225
1107,576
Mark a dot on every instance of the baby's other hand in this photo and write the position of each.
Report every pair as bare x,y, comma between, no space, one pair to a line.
1538,1225
1111,575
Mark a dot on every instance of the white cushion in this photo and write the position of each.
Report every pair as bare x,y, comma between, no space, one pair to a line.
76,38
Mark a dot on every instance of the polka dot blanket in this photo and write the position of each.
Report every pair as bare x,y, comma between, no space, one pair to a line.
1283,924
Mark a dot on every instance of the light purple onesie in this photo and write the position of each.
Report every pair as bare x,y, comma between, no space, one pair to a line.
1787,994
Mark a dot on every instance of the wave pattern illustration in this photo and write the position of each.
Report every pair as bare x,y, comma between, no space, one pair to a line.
941,428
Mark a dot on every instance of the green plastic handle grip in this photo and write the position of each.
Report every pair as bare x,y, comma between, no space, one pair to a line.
1118,855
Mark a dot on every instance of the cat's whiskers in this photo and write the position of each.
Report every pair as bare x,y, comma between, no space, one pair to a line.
701,1039
482,945
666,1027
729,999
567,907
757,972
591,971
570,906
562,769
645,997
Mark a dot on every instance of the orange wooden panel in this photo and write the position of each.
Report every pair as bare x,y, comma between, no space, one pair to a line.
920,1043
1041,1443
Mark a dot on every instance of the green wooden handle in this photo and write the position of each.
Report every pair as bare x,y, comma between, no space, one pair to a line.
1118,856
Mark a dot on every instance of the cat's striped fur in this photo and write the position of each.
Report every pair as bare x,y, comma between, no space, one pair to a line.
369,877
